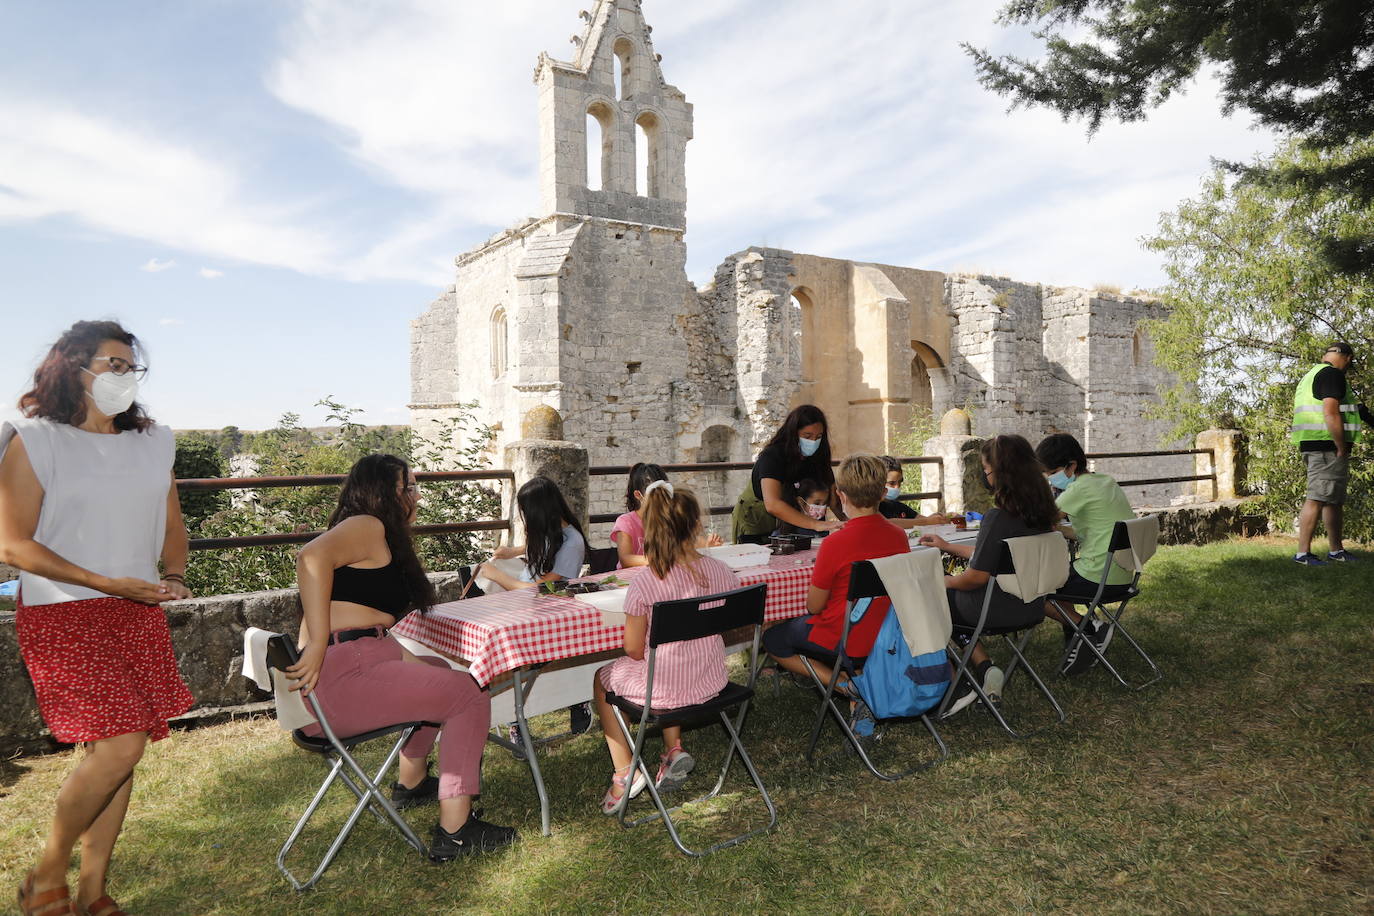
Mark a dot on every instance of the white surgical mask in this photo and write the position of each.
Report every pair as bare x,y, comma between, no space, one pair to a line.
892,492
815,511
809,447
112,393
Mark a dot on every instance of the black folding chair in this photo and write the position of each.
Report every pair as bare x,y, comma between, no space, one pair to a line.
1015,637
1133,542
678,621
336,752
864,585
602,560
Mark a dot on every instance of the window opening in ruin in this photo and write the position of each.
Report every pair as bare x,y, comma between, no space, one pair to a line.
498,342
646,155
1138,347
922,395
599,146
620,68
803,317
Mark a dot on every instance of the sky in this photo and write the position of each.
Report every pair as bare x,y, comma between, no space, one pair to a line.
267,192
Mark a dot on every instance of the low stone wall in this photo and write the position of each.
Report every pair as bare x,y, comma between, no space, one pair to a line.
207,634
1203,523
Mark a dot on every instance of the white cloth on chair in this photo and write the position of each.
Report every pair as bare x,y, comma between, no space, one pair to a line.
916,584
513,568
1144,535
1042,565
292,712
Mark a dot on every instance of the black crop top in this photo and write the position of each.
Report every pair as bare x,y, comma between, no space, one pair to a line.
383,588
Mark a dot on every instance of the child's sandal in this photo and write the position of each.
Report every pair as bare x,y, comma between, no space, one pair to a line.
55,901
102,906
610,802
673,768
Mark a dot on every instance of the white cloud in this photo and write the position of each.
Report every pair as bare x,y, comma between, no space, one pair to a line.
210,273
154,266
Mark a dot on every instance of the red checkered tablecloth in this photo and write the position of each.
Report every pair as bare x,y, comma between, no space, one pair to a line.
498,633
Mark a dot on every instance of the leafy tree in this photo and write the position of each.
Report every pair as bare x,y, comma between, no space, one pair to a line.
1303,67
198,456
1252,308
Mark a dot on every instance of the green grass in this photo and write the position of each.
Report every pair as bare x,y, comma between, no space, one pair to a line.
1239,784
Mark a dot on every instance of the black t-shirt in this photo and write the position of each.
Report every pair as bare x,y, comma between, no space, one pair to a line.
771,462
996,527
1328,383
894,508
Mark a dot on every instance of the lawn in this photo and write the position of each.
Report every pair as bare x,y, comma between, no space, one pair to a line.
1238,784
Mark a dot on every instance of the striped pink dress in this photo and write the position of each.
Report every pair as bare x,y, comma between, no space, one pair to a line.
685,673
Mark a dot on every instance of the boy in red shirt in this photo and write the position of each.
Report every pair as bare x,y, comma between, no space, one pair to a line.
866,536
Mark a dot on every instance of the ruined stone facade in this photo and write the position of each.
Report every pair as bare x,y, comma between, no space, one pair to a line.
587,309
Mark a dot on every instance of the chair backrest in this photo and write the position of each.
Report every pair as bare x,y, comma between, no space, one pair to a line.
1134,542
602,559
709,615
281,652
266,656
1034,565
864,581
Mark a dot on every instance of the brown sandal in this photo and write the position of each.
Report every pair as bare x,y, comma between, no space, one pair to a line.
102,906
54,901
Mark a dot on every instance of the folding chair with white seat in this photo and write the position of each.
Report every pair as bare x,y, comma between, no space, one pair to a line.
1050,572
678,621
864,585
1134,541
266,657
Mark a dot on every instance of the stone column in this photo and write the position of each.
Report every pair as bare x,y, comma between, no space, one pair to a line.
1228,449
963,465
541,451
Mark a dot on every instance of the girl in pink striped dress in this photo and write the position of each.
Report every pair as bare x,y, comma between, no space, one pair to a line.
685,673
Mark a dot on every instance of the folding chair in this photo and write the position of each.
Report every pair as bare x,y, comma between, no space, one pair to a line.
278,653
1133,543
864,585
678,621
602,560
1016,637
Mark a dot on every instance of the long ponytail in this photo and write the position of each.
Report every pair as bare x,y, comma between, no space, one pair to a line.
671,519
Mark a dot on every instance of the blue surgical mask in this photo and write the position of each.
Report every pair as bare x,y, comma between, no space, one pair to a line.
1060,481
892,492
809,447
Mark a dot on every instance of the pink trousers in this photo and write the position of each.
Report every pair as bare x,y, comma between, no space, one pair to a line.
366,684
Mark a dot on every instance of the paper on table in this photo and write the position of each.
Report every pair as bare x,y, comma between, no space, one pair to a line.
944,531
611,604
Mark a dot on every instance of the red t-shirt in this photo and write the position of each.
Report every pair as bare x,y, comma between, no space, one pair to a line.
866,537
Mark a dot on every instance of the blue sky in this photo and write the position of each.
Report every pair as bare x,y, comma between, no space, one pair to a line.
268,192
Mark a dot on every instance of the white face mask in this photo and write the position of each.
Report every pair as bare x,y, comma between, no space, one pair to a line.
112,393
815,511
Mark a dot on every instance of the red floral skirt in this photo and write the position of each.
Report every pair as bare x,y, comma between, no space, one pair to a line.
101,667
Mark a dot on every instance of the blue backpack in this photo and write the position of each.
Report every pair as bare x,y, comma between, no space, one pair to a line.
893,683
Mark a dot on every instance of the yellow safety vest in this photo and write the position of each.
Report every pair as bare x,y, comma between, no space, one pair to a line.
1309,418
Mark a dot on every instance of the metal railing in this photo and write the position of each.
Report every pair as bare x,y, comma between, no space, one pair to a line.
201,484
1163,453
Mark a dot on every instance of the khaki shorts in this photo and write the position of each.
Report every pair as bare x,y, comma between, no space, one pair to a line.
1326,477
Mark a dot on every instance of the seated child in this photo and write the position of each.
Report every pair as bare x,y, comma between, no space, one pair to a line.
811,499
685,673
628,532
893,509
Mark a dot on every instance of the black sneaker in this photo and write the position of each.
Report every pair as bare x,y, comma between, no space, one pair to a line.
1340,556
580,718
1307,559
963,696
1080,658
426,793
474,837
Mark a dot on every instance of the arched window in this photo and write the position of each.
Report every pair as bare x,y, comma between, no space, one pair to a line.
1138,344
600,136
498,342
620,68
803,319
646,155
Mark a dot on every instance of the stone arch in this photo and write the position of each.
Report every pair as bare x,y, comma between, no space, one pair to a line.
646,155
499,341
622,68
807,340
600,145
928,384
716,444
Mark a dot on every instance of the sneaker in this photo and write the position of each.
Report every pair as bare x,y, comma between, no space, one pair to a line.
474,837
580,718
426,793
518,752
1079,658
963,696
673,768
610,802
1307,559
993,679
1340,556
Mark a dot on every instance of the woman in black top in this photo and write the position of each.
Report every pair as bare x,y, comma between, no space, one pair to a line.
800,449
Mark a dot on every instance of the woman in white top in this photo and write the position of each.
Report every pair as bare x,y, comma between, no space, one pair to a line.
88,507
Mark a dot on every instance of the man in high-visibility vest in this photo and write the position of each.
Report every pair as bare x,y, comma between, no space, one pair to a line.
1326,423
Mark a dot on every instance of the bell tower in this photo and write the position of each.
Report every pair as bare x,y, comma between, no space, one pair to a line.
612,134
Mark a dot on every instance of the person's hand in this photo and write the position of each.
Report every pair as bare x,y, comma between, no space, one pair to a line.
714,540
177,589
833,525
306,672
507,553
1343,450
140,590
933,540
939,518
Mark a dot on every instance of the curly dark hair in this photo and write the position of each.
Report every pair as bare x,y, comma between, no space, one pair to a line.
371,489
1019,487
58,394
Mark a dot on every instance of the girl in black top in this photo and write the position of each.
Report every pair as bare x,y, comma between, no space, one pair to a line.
800,449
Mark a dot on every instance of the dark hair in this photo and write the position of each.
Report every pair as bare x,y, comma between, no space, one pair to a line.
1340,347
543,510
1019,487
808,485
371,489
641,475
891,464
671,520
1056,451
58,394
787,435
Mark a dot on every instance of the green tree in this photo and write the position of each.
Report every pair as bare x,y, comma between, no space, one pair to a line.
198,456
1303,67
1252,308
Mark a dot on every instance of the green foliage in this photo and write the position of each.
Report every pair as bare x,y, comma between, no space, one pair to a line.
198,456
910,440
1303,67
1252,308
292,450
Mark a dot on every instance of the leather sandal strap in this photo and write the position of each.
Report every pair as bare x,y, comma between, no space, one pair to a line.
54,900
104,906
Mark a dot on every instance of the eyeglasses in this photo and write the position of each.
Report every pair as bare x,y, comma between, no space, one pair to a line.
413,489
120,366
